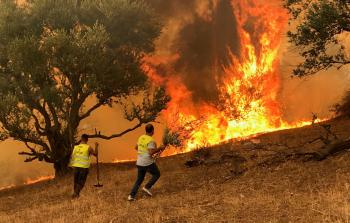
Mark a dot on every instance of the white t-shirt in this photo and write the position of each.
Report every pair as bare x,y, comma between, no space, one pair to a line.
146,159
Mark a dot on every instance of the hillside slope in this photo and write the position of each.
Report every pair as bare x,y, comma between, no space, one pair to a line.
235,182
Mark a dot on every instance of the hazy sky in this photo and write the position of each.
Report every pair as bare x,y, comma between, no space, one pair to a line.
185,20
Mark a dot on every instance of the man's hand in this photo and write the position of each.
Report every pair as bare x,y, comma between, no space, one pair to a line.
96,148
162,147
158,151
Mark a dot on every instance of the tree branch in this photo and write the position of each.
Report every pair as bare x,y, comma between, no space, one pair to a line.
38,142
100,136
34,154
38,128
54,115
92,109
32,103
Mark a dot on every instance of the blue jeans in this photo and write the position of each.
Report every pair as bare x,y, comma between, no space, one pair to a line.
141,173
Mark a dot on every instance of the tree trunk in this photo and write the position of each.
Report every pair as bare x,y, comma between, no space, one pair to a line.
61,167
61,152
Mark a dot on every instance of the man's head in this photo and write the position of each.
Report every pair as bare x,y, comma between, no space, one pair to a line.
149,129
84,138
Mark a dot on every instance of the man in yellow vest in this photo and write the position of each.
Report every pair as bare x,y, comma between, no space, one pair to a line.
146,147
80,161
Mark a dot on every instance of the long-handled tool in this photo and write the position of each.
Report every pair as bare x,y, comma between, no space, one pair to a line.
98,170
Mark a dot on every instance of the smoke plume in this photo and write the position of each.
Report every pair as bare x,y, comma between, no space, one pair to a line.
197,43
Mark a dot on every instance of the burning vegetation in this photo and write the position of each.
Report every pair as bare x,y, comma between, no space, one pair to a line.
30,181
219,60
247,82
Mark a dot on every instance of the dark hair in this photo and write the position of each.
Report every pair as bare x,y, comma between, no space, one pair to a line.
149,128
84,137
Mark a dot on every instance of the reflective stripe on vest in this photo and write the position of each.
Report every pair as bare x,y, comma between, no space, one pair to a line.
142,144
80,156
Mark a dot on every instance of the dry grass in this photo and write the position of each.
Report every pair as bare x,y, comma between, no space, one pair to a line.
292,191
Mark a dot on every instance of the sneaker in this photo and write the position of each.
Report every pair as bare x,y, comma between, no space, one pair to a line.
147,191
131,198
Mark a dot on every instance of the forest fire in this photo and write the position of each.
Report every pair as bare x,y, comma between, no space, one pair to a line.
248,102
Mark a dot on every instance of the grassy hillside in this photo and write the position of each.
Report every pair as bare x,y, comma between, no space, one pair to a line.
235,182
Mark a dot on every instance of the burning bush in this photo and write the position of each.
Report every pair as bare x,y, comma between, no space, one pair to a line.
171,138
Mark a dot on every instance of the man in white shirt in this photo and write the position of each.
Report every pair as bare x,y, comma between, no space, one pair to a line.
146,147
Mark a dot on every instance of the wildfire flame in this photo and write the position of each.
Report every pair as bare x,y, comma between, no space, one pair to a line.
123,160
248,95
7,187
39,179
29,182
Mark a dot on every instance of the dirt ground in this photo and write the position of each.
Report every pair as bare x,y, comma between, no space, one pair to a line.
234,183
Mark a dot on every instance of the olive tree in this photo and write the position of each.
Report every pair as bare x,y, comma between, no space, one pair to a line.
319,24
57,54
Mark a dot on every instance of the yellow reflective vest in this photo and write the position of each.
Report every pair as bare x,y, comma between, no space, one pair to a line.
80,156
142,144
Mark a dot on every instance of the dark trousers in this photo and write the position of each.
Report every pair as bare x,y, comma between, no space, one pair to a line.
141,173
80,176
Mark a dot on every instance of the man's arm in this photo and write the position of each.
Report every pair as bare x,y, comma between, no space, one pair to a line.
94,151
153,149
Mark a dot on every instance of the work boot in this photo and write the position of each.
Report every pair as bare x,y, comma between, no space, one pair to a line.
131,198
147,191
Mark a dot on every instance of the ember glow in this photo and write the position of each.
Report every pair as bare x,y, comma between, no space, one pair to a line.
248,102
29,181
39,179
123,160
7,187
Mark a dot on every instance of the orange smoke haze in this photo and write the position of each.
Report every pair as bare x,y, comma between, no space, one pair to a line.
248,87
13,170
227,65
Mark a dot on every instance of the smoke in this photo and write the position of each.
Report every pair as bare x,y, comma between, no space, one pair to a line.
202,34
13,170
300,97
195,45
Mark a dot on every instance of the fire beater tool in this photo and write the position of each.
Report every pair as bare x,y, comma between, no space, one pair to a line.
98,170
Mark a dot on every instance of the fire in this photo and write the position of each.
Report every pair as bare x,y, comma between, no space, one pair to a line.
248,102
123,161
7,187
29,181
39,179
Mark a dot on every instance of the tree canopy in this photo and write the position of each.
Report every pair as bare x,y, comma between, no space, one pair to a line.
55,54
319,24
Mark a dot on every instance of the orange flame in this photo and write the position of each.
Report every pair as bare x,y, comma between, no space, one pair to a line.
39,179
123,161
29,181
7,187
248,95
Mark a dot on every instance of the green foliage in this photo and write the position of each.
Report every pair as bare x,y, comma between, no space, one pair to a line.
171,138
319,24
148,110
54,54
